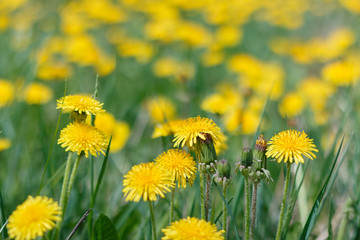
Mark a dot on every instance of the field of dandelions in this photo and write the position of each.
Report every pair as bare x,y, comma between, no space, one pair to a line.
179,119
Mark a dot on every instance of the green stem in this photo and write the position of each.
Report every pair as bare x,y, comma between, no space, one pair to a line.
207,196
153,227
172,206
279,229
63,199
247,208
253,211
72,177
224,209
202,193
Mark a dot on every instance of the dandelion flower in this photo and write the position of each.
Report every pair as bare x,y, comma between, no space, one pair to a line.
37,94
81,137
160,109
192,229
4,144
33,218
80,104
147,180
165,129
180,164
190,130
7,90
290,146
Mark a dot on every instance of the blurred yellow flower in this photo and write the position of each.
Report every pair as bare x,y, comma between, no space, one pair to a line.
53,70
316,92
290,146
342,72
105,11
142,51
37,93
228,36
191,130
180,164
192,229
80,104
250,122
4,144
33,218
165,129
165,67
82,138
146,181
351,5
291,105
7,90
161,109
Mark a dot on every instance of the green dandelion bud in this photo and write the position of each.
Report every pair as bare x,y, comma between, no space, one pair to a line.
223,168
246,157
207,153
260,160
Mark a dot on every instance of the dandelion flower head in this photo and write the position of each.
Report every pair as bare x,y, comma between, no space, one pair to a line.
192,229
147,180
290,146
190,130
180,163
81,137
160,109
4,144
7,90
80,104
33,218
36,93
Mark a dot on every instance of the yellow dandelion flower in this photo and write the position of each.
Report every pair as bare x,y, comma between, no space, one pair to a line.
120,136
81,137
147,180
160,109
33,218
292,105
165,129
7,90
80,103
290,146
180,163
4,144
36,93
189,130
192,229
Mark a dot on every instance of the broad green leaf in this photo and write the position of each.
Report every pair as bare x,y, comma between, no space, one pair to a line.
104,229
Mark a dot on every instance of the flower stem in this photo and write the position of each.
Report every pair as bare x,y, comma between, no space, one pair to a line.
63,199
253,211
207,196
153,227
172,206
247,208
224,209
72,178
278,233
202,193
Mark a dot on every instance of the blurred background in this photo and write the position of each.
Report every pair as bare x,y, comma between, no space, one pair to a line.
287,64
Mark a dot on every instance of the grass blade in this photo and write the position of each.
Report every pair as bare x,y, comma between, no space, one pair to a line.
3,219
318,204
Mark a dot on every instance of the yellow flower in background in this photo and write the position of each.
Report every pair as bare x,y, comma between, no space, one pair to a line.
33,218
81,49
221,146
120,136
342,72
180,164
193,34
165,129
161,109
4,144
37,93
165,67
7,91
192,229
351,5
291,105
4,22
82,138
250,122
147,181
228,36
53,70
290,146
142,51
232,119
316,92
80,104
104,10
191,130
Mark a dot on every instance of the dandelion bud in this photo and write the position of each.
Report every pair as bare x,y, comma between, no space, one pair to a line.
246,157
223,168
78,117
259,153
207,151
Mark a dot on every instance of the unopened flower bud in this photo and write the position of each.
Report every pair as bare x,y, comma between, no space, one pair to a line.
246,157
259,153
207,151
223,168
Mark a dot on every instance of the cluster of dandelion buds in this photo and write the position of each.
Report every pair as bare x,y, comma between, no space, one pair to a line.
253,165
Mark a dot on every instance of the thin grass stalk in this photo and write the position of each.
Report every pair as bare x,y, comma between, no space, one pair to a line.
247,208
253,211
172,206
72,178
286,188
153,226
63,194
202,194
224,209
207,196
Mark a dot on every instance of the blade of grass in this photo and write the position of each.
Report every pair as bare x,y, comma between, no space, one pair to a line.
261,118
318,204
52,145
3,219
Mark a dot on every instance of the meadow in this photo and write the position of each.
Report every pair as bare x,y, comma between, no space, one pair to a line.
207,77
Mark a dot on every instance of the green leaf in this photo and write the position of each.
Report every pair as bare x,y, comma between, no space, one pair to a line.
104,229
318,204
